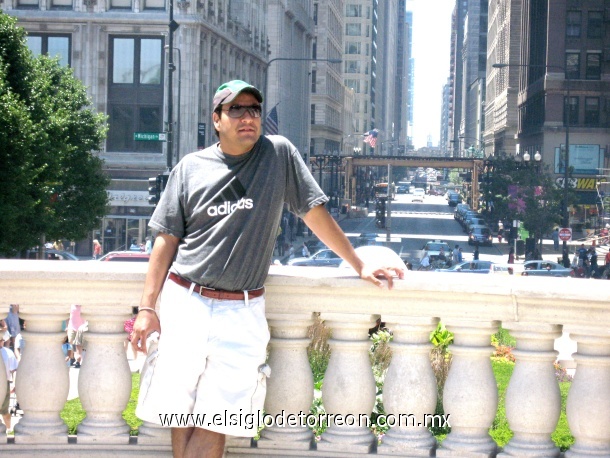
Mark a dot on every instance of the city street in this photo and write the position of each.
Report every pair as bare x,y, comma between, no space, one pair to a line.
415,223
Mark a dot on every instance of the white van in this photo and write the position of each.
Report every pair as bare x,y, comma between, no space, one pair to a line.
418,195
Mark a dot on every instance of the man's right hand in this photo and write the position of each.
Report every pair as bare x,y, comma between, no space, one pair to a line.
146,323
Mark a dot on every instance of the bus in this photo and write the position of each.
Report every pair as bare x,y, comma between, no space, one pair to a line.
381,191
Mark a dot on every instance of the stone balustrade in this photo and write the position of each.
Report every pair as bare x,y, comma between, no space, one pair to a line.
535,310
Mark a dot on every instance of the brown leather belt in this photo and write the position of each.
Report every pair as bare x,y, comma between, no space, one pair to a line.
216,293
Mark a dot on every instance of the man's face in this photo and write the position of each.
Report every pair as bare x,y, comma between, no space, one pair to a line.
238,135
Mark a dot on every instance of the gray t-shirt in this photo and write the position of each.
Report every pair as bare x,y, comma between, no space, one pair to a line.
226,211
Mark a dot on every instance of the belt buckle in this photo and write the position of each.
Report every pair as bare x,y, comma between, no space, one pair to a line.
202,289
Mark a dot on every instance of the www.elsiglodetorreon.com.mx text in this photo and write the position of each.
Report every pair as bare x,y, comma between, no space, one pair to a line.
283,419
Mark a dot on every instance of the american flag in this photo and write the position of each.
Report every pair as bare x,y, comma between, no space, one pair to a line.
271,123
371,137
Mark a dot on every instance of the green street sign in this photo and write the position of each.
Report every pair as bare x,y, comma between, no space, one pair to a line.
150,136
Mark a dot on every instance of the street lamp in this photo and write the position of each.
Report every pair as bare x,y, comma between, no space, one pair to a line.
306,59
566,161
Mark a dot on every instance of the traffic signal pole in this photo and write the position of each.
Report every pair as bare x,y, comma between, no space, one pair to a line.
388,224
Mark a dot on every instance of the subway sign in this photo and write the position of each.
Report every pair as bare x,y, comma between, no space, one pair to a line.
580,184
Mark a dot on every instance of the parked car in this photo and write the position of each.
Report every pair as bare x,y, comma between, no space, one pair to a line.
313,245
506,269
418,195
473,267
460,209
546,269
481,235
56,255
323,258
366,238
468,216
433,249
453,199
474,222
126,256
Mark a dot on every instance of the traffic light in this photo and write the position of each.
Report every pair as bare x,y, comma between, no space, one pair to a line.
156,185
154,190
380,213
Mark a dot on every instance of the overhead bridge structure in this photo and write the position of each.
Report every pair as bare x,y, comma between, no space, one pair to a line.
474,165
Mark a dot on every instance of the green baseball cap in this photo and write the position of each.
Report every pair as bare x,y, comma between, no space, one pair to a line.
227,92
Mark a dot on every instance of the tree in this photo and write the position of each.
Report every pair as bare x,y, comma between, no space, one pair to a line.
52,183
525,192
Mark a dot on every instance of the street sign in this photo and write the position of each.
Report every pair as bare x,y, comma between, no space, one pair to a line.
150,136
565,234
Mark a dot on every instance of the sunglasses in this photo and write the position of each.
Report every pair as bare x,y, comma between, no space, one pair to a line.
237,111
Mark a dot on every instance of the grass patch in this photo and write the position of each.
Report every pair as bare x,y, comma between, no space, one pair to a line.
73,413
500,429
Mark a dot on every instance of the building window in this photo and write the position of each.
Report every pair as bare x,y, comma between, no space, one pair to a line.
120,4
314,50
592,111
313,113
352,47
594,66
313,81
61,4
154,4
594,24
315,13
353,10
135,93
352,30
352,66
572,108
51,45
29,4
572,65
353,84
573,19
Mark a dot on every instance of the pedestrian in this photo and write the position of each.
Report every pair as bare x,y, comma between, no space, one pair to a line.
97,249
582,255
10,366
565,258
500,231
456,254
475,255
148,245
460,255
555,237
13,325
291,252
305,251
74,323
217,221
511,255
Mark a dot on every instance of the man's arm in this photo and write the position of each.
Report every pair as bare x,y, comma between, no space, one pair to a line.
329,232
161,258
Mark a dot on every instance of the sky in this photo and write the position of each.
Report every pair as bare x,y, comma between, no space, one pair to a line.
431,47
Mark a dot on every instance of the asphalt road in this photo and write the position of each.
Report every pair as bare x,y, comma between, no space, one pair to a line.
415,223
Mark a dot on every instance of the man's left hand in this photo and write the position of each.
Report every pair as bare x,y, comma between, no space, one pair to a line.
374,275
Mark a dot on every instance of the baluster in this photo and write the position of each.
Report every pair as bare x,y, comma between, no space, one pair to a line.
588,405
290,387
43,380
104,383
409,387
533,400
470,396
349,386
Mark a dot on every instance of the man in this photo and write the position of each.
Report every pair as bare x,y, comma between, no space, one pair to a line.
10,366
217,220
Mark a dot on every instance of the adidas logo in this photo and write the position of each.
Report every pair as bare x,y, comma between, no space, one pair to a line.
226,208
